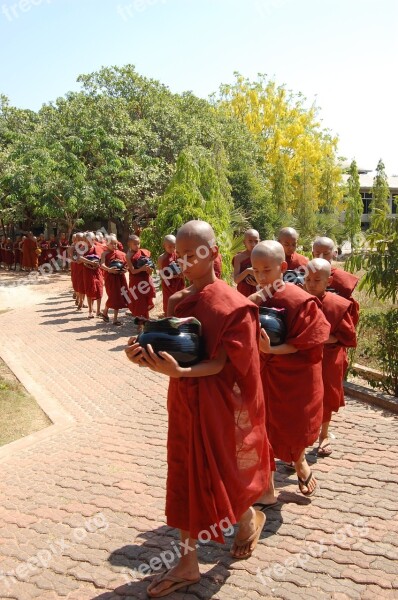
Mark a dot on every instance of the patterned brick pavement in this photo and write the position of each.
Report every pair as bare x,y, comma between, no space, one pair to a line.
82,502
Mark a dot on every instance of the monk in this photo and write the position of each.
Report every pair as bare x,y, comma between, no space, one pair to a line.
291,372
342,282
341,314
142,291
52,250
171,282
93,275
288,237
243,272
71,259
115,280
63,245
29,253
9,253
80,248
17,251
214,474
218,266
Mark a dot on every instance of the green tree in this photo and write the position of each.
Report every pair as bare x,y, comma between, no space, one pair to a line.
380,195
354,206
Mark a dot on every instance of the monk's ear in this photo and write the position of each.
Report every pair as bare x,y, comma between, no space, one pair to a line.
284,266
330,279
214,252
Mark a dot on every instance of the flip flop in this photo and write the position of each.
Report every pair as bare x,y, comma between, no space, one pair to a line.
253,539
117,323
305,482
177,584
262,507
325,450
105,317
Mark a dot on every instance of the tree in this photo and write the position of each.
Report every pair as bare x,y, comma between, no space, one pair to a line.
354,206
380,196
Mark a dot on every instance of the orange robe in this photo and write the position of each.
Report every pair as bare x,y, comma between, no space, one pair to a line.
341,314
141,288
293,386
29,256
170,285
115,282
344,283
295,261
217,449
243,287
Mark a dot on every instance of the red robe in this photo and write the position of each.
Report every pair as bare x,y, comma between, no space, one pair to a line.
344,283
340,313
93,278
52,251
43,257
115,282
29,255
295,261
79,278
217,449
170,285
243,287
293,386
141,288
9,254
218,266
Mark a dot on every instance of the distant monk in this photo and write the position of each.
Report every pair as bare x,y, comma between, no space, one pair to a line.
171,282
63,250
141,288
115,280
288,237
344,283
243,272
17,251
93,275
80,248
29,253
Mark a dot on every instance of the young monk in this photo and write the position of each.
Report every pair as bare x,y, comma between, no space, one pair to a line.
29,253
291,372
115,281
288,237
63,245
93,275
212,476
243,272
80,248
141,287
17,252
171,283
341,314
344,283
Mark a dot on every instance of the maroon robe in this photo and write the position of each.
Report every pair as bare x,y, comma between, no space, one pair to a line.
141,288
296,260
115,282
93,278
9,254
243,287
344,283
29,254
217,449
218,266
170,285
341,314
293,386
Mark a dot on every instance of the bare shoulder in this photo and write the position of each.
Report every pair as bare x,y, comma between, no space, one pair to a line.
176,299
240,256
256,298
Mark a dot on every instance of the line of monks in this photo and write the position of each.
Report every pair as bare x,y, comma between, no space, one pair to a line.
249,402
29,252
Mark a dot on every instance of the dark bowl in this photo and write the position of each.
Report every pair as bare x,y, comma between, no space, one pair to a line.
183,342
175,268
93,257
295,277
144,261
116,264
272,320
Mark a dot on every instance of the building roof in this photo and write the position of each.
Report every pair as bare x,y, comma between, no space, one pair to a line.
366,180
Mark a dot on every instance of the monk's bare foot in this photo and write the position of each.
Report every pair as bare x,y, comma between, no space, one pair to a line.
190,573
324,448
307,482
248,526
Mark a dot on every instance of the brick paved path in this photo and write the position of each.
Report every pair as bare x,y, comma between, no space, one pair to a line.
82,504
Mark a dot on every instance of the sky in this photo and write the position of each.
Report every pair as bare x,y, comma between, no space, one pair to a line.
342,54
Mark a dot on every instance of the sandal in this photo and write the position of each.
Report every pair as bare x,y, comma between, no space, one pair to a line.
105,317
304,483
325,450
252,540
117,323
90,317
176,584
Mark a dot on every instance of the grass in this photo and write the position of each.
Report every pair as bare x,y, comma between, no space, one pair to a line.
20,415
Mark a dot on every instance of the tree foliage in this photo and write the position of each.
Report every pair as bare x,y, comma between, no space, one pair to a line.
354,206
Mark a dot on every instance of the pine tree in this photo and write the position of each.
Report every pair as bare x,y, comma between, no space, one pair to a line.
354,206
381,194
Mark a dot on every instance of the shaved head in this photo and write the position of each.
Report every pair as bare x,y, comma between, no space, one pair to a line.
320,265
200,231
288,232
134,238
324,241
251,233
170,238
269,249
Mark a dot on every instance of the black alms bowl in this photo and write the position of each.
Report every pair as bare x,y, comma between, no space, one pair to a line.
175,268
144,261
116,264
293,277
92,257
178,337
273,321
